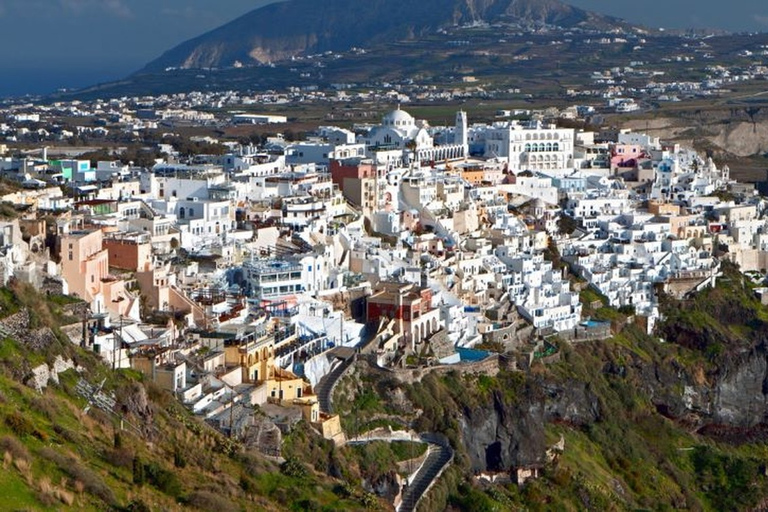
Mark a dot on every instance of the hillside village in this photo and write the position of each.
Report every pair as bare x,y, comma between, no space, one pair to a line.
250,278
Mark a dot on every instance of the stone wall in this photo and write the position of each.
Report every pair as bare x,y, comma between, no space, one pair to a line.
43,374
490,367
601,331
512,337
52,286
77,309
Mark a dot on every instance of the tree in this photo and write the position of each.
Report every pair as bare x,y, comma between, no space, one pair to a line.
139,477
566,224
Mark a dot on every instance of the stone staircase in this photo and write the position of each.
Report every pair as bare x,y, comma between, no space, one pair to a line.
324,388
440,456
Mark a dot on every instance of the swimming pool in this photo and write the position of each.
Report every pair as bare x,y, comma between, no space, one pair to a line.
593,323
470,355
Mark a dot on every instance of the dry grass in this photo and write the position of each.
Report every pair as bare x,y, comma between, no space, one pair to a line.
14,448
23,466
64,496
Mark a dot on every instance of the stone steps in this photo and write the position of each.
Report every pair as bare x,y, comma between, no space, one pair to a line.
439,457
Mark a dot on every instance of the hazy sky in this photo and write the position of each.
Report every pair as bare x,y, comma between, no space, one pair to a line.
46,44
57,43
735,15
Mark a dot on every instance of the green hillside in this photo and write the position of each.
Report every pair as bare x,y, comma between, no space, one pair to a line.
57,457
644,425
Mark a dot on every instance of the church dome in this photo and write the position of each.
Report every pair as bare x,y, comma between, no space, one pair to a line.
398,118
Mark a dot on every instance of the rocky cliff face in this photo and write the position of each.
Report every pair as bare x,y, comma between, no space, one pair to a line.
732,399
504,436
281,30
506,433
740,395
740,132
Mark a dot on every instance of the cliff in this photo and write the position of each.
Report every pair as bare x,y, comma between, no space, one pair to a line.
678,420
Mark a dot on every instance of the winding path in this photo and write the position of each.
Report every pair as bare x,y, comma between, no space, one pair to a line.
439,456
324,388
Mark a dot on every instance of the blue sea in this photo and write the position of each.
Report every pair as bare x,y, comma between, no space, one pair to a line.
17,82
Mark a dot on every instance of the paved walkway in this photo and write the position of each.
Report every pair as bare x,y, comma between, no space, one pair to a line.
439,456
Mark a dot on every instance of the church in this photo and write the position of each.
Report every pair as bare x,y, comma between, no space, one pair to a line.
399,130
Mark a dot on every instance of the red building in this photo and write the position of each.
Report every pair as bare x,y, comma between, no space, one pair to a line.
354,169
407,303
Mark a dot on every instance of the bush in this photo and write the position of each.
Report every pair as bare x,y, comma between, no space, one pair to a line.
204,500
46,406
248,485
15,448
119,457
164,480
138,506
20,425
292,467
92,482
139,477
179,460
66,434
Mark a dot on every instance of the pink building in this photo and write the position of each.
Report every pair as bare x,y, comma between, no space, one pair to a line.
626,155
85,268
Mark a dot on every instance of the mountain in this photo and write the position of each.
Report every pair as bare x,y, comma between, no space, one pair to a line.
282,30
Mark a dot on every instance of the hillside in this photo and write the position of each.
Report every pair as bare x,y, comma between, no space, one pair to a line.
625,423
61,451
628,423
282,30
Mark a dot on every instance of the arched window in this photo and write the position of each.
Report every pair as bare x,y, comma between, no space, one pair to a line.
555,147
191,212
528,147
549,146
182,213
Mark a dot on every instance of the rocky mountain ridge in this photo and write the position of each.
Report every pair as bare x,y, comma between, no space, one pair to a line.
283,30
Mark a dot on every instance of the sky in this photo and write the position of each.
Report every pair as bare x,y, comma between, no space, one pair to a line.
49,44
734,15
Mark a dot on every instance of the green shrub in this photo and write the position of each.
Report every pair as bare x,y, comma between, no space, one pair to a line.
204,500
292,467
139,477
138,505
19,424
162,479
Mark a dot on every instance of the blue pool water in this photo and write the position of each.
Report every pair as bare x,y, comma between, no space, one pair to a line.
471,355
592,323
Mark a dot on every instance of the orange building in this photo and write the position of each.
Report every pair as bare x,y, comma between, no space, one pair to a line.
129,251
473,175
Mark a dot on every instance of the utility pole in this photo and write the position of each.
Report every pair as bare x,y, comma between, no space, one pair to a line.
231,414
115,340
